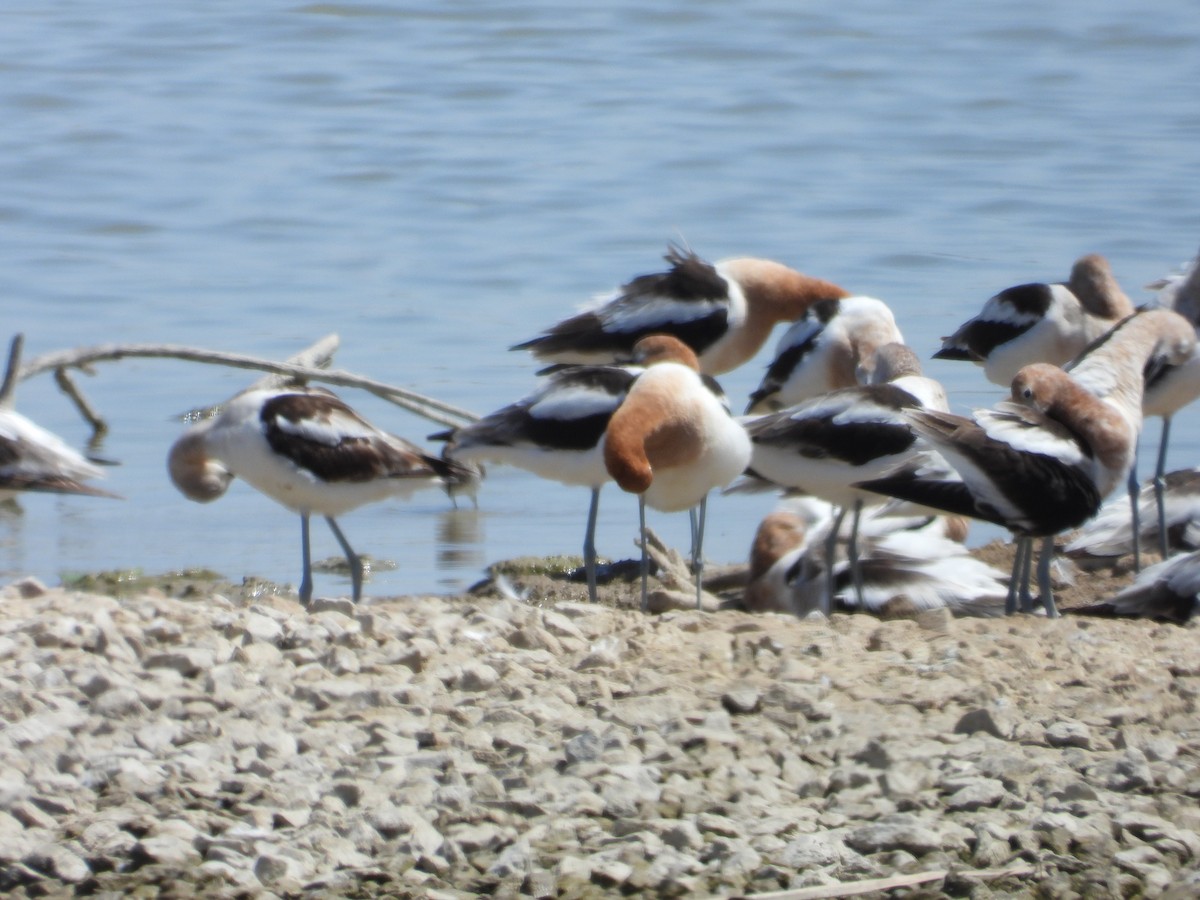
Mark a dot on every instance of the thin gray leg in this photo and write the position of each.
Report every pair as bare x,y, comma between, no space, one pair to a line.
1026,571
645,558
1044,585
852,552
1160,486
698,546
1020,546
830,558
589,545
1136,515
356,568
306,582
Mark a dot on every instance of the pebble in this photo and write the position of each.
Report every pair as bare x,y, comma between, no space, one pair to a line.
443,747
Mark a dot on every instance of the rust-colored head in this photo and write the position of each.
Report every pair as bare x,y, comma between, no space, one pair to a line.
778,534
198,476
779,291
1039,385
1093,282
887,363
657,348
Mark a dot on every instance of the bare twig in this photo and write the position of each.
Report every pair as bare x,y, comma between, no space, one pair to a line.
679,586
442,413
673,570
93,418
10,372
316,356
850,889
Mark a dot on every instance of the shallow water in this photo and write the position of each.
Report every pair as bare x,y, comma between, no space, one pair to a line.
437,181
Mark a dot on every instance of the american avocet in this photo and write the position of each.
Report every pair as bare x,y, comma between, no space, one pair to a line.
306,449
34,459
1169,390
780,538
906,564
1032,323
1172,294
1170,378
827,445
1043,464
832,347
673,440
1168,590
555,432
723,311
1109,536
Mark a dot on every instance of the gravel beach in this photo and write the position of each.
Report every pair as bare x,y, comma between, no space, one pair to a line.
448,747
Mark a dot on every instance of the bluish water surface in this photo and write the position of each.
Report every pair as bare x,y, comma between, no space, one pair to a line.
435,181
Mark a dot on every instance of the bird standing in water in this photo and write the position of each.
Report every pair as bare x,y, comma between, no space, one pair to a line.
306,449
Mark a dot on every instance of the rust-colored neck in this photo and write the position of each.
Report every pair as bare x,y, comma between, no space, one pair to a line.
650,429
1093,282
774,293
778,534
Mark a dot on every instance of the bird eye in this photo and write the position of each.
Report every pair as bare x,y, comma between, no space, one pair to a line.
1027,393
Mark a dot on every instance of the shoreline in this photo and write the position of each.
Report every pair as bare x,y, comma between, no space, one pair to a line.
452,747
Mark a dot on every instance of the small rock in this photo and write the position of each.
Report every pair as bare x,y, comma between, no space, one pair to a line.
273,867
938,621
573,869
992,848
584,747
341,605
474,838
1069,734
515,859
258,628
188,661
1138,860
742,701
291,818
814,851
897,832
610,873
875,755
605,653
28,588
990,721
478,677
60,862
682,835
1131,772
168,849
31,815
983,793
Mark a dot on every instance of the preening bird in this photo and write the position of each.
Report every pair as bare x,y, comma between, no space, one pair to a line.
833,346
724,312
1040,323
306,449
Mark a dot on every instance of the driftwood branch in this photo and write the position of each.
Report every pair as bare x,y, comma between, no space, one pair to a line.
67,385
872,885
675,574
315,356
434,410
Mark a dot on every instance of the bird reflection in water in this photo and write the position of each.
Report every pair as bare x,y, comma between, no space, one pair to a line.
459,536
